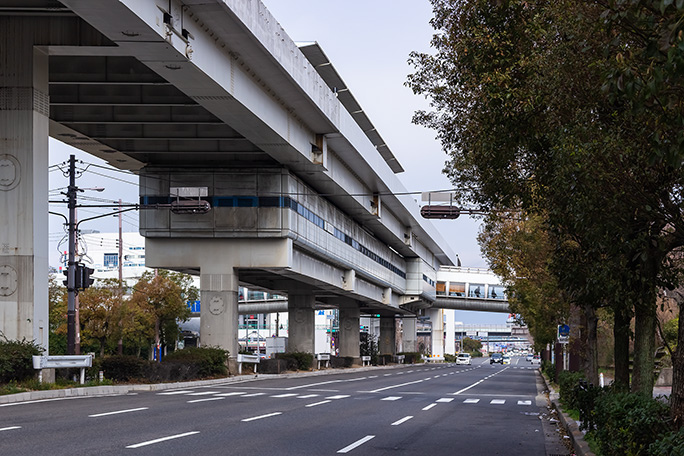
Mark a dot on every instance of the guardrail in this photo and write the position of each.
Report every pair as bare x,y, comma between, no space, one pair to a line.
62,362
252,359
323,357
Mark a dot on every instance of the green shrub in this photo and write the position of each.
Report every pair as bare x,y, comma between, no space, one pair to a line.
16,359
299,360
207,361
549,369
123,368
567,383
476,354
449,358
628,424
670,444
411,357
341,361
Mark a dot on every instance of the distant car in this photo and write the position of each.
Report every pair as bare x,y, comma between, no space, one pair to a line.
506,359
529,358
463,358
496,358
536,359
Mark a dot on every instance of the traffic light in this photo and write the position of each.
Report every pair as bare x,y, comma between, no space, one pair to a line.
83,279
66,280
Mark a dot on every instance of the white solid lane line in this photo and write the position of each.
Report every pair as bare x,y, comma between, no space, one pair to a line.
117,412
317,403
429,406
468,387
206,400
11,428
268,415
403,420
360,442
163,439
395,386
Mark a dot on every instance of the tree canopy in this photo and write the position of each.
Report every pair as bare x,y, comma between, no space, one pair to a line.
568,113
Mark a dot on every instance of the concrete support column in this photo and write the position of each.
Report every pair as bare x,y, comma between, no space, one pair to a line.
24,111
350,339
437,319
219,313
387,343
450,331
302,325
409,341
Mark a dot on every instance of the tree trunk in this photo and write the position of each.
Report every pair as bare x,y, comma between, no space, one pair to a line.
621,349
590,333
644,348
677,395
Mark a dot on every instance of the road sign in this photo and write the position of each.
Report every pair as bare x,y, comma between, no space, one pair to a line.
563,335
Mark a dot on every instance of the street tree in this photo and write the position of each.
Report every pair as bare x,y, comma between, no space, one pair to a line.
100,308
517,91
163,297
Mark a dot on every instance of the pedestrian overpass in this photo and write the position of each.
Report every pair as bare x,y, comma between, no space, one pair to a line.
211,101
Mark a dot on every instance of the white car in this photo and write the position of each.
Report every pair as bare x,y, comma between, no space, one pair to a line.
463,358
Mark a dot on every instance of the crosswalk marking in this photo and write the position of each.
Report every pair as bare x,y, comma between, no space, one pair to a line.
445,399
236,393
285,395
391,398
204,393
524,402
253,394
171,393
339,396
498,401
471,401
308,396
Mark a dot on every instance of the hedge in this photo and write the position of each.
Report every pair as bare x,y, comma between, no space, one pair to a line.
297,360
16,359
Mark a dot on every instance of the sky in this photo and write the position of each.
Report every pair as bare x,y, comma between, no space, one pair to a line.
368,42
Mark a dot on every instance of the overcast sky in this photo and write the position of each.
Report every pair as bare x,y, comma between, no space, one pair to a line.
368,42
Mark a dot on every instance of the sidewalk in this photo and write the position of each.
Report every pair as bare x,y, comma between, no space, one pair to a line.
571,426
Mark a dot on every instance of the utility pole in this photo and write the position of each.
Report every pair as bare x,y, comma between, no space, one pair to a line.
71,265
120,343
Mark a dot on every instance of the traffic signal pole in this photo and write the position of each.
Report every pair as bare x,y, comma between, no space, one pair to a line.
71,265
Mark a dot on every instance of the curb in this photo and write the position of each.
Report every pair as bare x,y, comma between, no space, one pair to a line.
117,390
571,427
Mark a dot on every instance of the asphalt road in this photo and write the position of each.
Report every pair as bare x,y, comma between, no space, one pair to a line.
440,409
